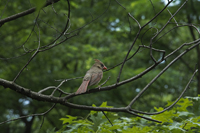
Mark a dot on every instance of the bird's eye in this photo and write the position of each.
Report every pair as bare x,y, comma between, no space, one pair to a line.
102,65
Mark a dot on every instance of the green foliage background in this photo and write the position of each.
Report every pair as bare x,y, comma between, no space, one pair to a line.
182,118
107,38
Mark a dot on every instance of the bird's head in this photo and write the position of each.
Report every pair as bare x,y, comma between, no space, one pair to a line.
99,64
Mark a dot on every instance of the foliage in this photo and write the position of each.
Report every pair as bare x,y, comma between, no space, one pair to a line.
107,38
181,118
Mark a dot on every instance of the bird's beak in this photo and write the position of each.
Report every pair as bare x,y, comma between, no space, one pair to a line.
104,67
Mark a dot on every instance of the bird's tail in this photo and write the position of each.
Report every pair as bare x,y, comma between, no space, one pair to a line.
83,87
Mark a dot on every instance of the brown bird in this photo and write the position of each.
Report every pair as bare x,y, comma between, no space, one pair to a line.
92,77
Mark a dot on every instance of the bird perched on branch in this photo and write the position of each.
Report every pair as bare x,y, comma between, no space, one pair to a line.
92,77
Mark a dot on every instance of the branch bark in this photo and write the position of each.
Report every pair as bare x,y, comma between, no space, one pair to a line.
24,13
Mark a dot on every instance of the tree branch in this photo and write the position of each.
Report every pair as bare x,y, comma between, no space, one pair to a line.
24,13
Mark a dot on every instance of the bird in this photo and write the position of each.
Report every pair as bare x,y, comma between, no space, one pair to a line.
92,77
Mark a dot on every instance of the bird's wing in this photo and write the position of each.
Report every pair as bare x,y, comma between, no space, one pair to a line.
96,78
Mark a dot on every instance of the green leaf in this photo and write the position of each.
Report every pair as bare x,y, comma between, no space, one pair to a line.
97,120
174,121
166,116
104,104
93,112
38,4
184,103
69,120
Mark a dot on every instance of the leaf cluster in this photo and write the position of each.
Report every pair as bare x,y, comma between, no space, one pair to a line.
182,118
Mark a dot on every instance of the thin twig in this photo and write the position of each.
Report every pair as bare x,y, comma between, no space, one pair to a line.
65,28
155,113
4,10
58,87
118,78
36,52
69,79
157,76
53,87
120,4
32,115
78,29
147,118
104,82
173,17
107,118
24,13
53,8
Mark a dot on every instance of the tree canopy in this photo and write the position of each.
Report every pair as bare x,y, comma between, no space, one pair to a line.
150,47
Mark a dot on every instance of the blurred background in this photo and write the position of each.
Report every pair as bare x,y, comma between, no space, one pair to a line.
105,32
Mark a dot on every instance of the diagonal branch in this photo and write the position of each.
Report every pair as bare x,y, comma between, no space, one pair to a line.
64,100
138,33
157,76
24,13
169,107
